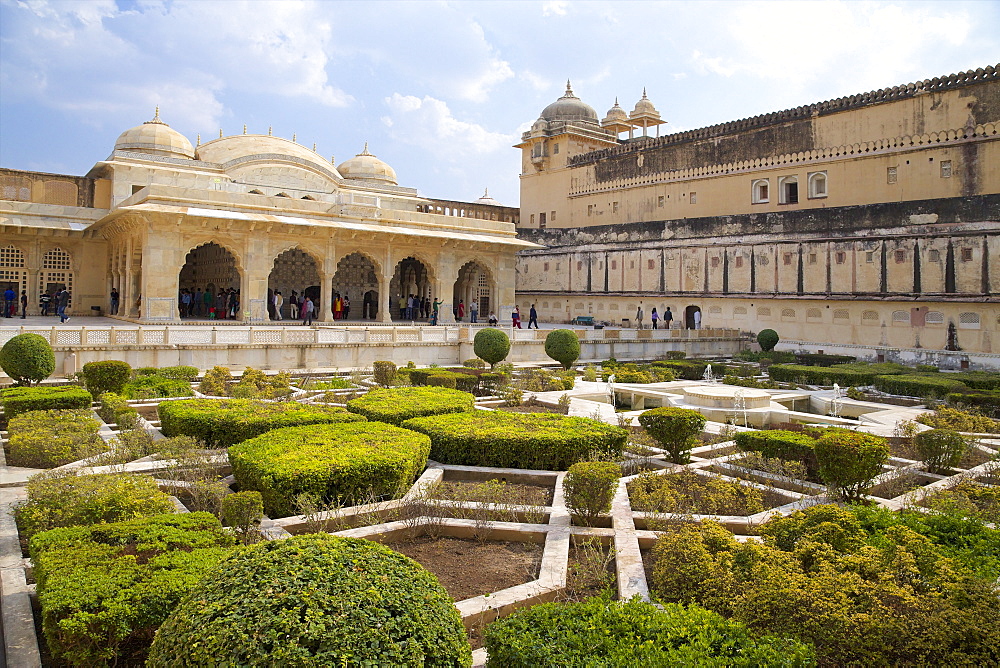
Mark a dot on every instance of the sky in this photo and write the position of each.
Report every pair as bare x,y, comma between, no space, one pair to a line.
442,90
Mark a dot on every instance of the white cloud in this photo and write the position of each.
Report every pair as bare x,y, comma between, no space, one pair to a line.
555,8
428,123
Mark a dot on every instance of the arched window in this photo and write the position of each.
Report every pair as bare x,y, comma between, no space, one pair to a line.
968,320
869,318
760,191
739,311
841,314
11,256
715,310
934,318
901,317
763,312
787,313
55,273
788,190
814,313
817,185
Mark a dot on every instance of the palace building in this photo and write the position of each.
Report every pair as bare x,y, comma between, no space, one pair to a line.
255,214
870,220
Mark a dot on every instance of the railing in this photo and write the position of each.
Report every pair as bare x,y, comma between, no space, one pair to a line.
166,335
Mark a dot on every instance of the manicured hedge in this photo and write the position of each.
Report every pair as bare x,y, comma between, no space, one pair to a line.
45,439
314,600
187,373
600,632
105,376
18,400
979,380
543,441
986,401
690,369
780,444
398,404
819,375
913,385
819,359
156,387
73,500
115,410
104,589
224,422
345,462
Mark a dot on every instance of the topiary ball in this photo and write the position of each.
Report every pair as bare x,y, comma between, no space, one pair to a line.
768,339
314,600
563,346
491,345
27,359
106,376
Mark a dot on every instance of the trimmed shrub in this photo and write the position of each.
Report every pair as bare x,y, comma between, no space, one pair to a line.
216,382
157,387
115,410
27,358
45,439
491,345
223,422
634,633
383,372
442,379
687,492
947,417
675,429
71,500
688,369
913,385
819,375
820,359
341,462
474,363
563,345
940,449
589,489
242,510
188,373
674,355
968,499
419,376
979,380
780,444
544,441
328,601
105,376
848,461
104,589
988,402
17,400
767,339
397,404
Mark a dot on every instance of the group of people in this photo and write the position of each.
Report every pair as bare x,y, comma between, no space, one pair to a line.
515,317
198,304
473,311
667,318
10,302
414,307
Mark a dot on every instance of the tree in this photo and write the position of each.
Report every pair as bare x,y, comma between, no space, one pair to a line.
675,429
563,346
590,488
940,449
768,339
849,461
491,345
27,359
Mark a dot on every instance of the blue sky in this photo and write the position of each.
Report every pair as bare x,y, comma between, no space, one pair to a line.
441,90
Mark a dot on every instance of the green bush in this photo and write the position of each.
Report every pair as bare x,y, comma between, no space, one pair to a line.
402,403
589,489
912,385
114,409
544,441
419,376
157,387
383,372
104,589
820,359
17,400
474,363
939,449
676,429
686,492
255,384
780,444
819,375
968,499
748,382
27,358
948,417
860,584
442,379
333,462
491,345
986,401
674,355
223,422
188,373
71,500
848,461
768,339
927,368
563,345
979,380
328,601
243,511
45,439
600,632
105,376
216,382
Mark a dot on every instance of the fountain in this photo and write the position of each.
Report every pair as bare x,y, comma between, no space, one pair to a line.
610,389
835,403
708,377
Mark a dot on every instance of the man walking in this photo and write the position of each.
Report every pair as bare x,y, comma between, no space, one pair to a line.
24,304
8,302
44,302
668,317
532,317
638,316
279,301
115,299
307,311
62,301
474,311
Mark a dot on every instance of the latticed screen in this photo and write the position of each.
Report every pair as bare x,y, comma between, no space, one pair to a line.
55,272
11,256
56,258
484,293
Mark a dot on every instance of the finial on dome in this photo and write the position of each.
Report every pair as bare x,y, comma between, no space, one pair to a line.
244,128
294,136
314,147
569,90
156,117
220,133
199,140
269,131
333,160
486,192
644,92
365,152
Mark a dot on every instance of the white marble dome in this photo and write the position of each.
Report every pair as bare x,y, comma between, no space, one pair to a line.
366,167
156,138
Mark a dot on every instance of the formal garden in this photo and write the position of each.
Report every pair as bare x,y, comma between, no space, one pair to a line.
767,510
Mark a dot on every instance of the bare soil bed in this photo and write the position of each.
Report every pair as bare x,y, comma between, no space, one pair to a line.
148,412
528,495
531,409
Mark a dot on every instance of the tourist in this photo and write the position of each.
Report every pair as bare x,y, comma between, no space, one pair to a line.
338,307
437,311
655,317
279,301
474,311
234,302
24,304
198,301
293,306
307,312
44,302
461,311
492,319
207,300
532,317
115,299
402,307
668,317
638,316
346,304
697,319
8,302
516,317
62,301
220,304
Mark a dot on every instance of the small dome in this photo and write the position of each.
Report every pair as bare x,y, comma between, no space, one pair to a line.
366,167
615,115
644,107
539,126
486,199
569,108
157,138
